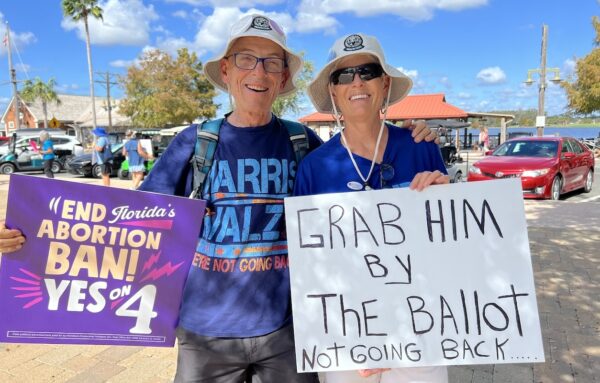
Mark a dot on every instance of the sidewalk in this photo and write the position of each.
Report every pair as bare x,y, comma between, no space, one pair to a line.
565,247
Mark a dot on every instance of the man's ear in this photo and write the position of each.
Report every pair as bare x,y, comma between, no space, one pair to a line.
224,66
285,77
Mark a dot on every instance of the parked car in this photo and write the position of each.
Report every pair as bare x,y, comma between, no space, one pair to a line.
82,164
547,166
23,155
61,142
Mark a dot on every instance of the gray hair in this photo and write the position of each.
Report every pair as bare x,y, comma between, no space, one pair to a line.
44,135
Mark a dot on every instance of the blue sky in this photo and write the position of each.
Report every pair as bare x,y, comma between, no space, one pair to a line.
477,52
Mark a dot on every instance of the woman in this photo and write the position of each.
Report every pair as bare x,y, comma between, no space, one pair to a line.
357,83
135,154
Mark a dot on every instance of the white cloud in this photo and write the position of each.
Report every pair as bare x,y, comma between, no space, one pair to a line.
122,63
412,73
569,67
463,95
415,10
491,75
227,3
181,14
18,40
125,22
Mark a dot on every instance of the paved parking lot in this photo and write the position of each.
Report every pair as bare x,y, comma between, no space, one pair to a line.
565,246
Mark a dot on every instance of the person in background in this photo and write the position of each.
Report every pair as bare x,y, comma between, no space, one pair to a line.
47,152
483,139
102,154
136,155
357,83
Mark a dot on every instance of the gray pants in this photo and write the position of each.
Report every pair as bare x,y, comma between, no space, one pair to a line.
263,359
48,168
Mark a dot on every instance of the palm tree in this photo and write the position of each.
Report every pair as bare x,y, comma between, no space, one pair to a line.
38,90
81,10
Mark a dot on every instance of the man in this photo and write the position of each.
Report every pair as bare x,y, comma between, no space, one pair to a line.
102,154
47,152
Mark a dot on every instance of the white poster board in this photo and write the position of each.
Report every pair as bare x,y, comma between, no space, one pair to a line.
399,278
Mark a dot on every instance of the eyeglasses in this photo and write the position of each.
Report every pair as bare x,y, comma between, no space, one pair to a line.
386,174
248,62
346,75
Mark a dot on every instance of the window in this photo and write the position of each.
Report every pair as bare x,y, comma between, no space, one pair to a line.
566,147
576,147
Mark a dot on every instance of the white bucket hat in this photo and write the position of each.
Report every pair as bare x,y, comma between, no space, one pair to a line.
255,26
355,44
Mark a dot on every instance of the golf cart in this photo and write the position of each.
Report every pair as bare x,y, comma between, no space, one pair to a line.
26,157
444,130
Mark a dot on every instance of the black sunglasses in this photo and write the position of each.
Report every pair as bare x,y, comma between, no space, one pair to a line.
346,75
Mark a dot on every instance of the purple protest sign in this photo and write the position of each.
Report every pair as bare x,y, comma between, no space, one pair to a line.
100,265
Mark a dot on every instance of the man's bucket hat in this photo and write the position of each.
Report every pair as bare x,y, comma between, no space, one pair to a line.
355,44
99,131
255,26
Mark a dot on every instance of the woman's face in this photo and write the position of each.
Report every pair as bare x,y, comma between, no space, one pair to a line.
360,99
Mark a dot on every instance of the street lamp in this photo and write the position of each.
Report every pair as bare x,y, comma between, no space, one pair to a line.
540,120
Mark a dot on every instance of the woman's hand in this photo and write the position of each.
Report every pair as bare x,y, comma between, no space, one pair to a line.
10,239
420,131
371,371
424,179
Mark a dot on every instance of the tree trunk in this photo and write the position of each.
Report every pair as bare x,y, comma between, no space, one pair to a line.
44,107
90,70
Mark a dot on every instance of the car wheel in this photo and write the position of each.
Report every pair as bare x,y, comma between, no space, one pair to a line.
556,188
458,177
56,167
97,171
7,168
123,174
589,181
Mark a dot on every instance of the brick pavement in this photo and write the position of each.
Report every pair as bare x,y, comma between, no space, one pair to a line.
566,263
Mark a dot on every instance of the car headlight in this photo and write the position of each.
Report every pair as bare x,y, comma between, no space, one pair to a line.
535,173
474,169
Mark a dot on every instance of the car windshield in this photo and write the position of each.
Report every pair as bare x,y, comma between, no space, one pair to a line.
544,149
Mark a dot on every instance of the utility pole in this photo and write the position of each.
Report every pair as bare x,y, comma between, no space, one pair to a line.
540,121
106,82
13,79
541,94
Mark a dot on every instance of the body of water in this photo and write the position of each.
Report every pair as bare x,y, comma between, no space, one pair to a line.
494,133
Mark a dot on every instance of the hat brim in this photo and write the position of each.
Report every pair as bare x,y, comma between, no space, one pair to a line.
99,132
212,68
318,89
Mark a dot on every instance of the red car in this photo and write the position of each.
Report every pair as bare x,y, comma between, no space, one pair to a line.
547,166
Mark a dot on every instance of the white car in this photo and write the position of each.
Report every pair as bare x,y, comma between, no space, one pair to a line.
61,142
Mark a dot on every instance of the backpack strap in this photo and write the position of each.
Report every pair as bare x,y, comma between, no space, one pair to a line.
298,137
204,152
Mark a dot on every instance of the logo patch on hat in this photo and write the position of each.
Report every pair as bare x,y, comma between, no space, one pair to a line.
261,23
353,43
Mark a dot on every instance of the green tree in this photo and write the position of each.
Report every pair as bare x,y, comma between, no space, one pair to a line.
39,90
83,10
583,93
162,90
291,103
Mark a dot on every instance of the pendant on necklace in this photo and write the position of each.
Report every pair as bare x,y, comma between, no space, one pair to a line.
367,187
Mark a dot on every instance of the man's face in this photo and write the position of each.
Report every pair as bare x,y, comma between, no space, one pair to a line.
254,90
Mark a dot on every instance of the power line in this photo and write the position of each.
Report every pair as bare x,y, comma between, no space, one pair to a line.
107,78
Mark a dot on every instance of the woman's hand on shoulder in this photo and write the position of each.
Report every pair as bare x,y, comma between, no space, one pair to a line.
10,239
424,179
420,131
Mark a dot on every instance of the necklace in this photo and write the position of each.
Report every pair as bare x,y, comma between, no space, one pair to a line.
363,178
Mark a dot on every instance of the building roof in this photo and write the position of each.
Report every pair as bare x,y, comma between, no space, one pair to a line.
74,109
420,106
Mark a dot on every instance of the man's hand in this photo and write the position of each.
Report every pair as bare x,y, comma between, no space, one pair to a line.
420,131
10,239
424,179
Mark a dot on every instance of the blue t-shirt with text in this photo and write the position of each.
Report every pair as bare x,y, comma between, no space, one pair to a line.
238,285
